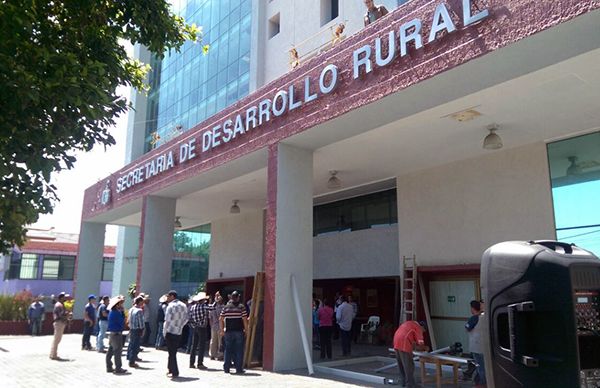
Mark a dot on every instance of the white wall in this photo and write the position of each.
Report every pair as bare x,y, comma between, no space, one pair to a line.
363,253
236,245
452,213
300,21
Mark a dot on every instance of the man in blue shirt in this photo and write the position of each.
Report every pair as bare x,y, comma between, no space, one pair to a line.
116,324
89,320
136,329
344,316
35,314
475,344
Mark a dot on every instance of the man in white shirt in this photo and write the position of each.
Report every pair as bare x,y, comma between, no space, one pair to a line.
344,316
176,316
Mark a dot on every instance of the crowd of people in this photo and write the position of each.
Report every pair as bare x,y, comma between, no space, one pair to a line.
333,321
203,322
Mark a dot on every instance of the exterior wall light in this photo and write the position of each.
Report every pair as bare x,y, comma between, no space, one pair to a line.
334,182
235,209
492,141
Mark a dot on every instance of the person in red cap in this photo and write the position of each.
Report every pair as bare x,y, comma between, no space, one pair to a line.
407,338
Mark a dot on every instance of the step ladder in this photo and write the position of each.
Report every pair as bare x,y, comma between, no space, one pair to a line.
409,289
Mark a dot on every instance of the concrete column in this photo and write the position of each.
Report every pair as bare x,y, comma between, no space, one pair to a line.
156,249
136,124
125,269
88,265
257,47
288,250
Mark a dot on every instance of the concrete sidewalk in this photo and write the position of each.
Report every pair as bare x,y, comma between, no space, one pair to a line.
25,363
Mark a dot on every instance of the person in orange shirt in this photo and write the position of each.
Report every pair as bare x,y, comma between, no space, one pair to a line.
408,337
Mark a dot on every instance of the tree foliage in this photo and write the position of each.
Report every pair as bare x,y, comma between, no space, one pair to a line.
61,62
182,242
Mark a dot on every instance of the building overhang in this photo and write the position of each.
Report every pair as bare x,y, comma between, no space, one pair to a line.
517,39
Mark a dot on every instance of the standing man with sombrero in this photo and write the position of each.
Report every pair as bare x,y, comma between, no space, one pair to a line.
116,325
198,320
147,330
176,316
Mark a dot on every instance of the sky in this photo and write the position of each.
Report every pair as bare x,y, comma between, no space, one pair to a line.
577,205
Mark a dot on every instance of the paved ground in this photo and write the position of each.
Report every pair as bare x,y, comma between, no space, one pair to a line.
25,363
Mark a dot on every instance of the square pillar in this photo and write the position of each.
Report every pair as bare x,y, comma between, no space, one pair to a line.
88,265
125,268
288,250
155,250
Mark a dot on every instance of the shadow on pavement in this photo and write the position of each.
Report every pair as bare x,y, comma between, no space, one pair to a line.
251,374
184,379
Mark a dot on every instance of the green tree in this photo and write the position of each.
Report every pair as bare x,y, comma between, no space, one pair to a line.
61,62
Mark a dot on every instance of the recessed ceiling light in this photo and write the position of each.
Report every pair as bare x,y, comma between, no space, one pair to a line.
465,115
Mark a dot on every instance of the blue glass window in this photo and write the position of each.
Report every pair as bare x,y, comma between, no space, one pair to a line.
188,87
575,176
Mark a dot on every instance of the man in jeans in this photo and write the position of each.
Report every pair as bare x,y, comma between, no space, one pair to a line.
102,324
89,320
147,314
35,314
344,317
475,346
176,316
198,321
116,324
233,323
136,329
61,318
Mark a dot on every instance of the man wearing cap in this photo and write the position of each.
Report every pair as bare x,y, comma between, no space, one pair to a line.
89,320
102,323
474,329
407,338
35,315
136,328
176,316
198,321
116,324
234,323
61,318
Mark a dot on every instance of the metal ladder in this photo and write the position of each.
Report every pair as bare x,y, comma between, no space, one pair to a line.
409,289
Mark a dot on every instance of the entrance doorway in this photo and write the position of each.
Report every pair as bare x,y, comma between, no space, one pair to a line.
450,309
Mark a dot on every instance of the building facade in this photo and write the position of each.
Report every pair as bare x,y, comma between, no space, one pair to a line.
366,147
45,265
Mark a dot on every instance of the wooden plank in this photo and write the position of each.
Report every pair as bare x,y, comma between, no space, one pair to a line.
257,298
251,324
427,314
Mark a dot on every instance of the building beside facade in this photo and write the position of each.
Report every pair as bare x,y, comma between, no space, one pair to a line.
45,265
371,149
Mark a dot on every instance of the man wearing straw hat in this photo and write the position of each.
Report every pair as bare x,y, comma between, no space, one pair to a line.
160,322
136,328
176,316
116,324
198,320
147,313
